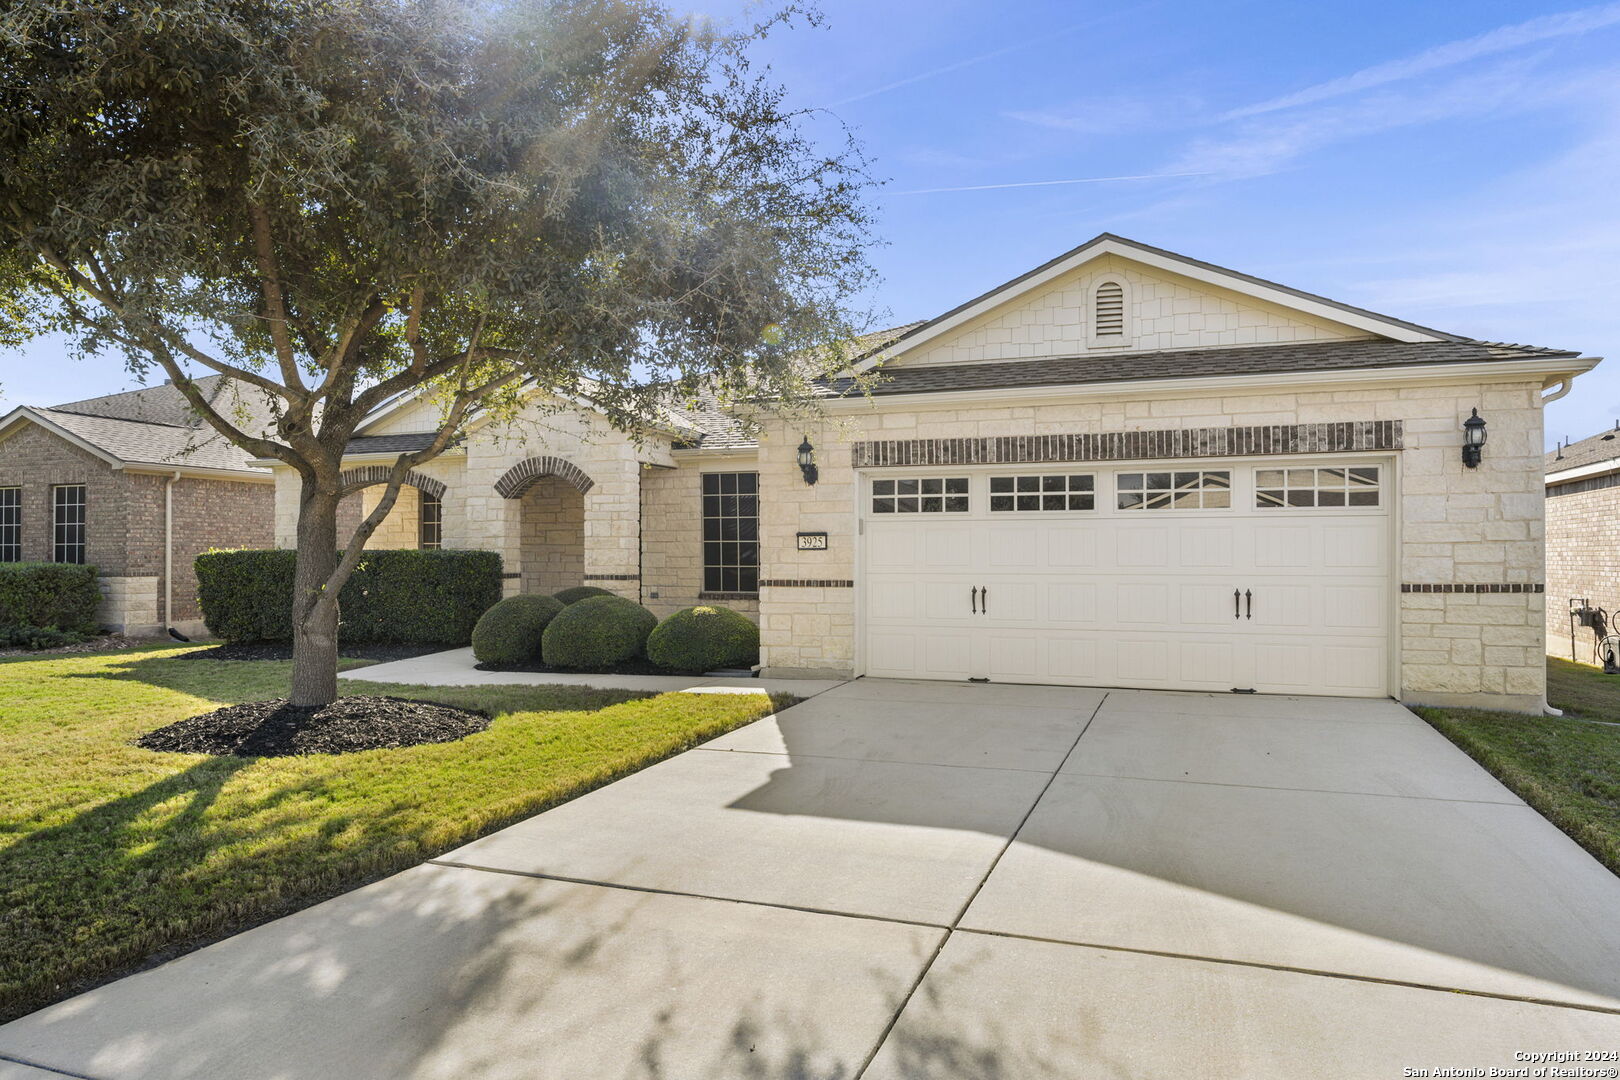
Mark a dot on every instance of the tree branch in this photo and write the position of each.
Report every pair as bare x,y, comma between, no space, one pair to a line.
275,305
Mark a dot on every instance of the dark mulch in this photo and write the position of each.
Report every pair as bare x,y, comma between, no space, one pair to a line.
638,666
273,650
277,729
103,643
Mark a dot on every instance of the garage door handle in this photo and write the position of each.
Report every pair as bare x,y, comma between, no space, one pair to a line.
984,599
1248,604
1237,604
973,595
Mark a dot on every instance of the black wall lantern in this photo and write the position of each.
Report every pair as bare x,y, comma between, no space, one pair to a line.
1473,439
807,461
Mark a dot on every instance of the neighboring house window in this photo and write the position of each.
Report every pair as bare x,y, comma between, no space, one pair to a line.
1200,490
731,532
67,522
1109,311
947,495
1060,492
429,521
1316,487
10,524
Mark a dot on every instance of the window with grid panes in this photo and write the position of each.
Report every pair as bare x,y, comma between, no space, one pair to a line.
429,521
1055,492
925,495
1199,489
10,524
1354,486
731,532
67,523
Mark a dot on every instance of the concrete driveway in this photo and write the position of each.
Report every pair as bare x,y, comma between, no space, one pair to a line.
932,880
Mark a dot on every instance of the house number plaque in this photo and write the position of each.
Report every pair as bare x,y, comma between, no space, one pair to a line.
812,541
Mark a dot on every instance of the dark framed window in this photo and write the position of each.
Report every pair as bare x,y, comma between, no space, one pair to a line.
731,532
945,495
67,523
1200,490
1051,492
429,520
10,524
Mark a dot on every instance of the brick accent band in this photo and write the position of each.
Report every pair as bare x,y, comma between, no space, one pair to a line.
807,583
728,596
611,577
1337,438
367,475
1471,587
1591,483
520,477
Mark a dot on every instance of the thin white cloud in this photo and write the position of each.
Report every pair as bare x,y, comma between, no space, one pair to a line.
1111,115
1052,183
1268,144
1495,41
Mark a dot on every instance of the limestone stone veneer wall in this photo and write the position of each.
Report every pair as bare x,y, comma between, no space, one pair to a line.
1583,557
1458,527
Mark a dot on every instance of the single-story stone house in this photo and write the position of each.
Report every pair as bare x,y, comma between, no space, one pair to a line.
137,485
1125,467
1583,540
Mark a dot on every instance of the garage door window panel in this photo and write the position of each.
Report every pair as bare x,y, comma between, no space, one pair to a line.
1202,489
1043,492
1304,488
921,495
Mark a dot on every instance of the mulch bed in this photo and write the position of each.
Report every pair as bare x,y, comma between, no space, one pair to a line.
638,666
278,729
104,643
284,651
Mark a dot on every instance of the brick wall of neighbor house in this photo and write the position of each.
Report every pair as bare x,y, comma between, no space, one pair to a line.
1583,558
672,537
36,461
1165,311
1469,527
553,538
207,514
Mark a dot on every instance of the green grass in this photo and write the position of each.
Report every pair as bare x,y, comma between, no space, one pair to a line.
113,857
1567,767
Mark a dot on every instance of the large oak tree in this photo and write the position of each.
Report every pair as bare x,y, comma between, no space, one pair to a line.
335,202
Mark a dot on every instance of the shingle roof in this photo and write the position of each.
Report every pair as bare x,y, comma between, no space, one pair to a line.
1183,363
402,443
1603,446
155,425
153,444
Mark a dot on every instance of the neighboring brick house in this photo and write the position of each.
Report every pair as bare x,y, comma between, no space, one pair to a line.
1123,468
1583,538
136,485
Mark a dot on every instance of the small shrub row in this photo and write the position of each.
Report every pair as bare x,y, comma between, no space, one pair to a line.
62,596
596,629
37,637
394,596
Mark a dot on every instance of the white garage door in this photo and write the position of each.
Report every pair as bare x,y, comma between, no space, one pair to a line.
1213,577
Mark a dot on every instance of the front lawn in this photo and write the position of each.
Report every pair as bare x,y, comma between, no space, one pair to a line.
112,857
1567,767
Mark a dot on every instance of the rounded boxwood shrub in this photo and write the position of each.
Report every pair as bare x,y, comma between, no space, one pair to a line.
510,632
597,632
581,592
704,638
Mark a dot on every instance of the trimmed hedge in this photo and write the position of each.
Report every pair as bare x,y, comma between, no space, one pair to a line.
580,592
704,638
394,597
597,632
62,596
509,632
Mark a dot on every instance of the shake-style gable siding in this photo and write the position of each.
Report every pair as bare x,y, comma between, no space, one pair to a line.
1162,311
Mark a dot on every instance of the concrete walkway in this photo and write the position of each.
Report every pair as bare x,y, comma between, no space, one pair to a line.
902,880
456,667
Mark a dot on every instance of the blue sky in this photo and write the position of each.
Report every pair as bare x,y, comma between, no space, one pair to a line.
1451,164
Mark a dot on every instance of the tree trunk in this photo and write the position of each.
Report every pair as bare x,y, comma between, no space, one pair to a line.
315,612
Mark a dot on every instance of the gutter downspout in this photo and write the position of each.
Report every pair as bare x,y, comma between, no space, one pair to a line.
1564,386
168,552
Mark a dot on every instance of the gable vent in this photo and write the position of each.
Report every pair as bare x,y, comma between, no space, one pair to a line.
1110,311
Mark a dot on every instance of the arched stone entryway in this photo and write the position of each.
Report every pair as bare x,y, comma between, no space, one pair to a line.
416,519
550,493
